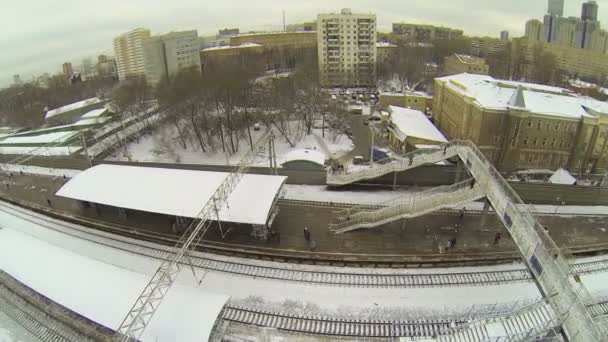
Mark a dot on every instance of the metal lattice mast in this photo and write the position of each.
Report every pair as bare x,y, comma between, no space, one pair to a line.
153,294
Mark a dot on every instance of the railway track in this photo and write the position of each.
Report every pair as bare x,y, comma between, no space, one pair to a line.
335,327
386,328
36,322
293,273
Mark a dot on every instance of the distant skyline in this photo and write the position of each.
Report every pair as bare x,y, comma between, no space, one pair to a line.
38,36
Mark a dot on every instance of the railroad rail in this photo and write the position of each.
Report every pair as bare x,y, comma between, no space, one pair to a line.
293,273
317,325
36,322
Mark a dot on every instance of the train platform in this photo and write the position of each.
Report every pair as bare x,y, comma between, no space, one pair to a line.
421,238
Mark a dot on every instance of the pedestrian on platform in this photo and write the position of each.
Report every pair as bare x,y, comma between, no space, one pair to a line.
48,201
21,172
445,149
306,234
453,242
472,183
462,214
7,185
411,159
449,244
497,238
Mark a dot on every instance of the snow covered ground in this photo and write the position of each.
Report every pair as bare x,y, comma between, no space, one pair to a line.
37,170
48,138
104,292
163,146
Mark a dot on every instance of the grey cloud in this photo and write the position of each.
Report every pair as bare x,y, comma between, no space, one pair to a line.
39,35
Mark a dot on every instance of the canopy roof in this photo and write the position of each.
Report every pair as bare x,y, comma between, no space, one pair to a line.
174,192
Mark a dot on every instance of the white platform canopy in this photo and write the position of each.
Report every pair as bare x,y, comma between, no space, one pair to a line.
174,192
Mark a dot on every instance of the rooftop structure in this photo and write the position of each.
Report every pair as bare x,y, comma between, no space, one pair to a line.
458,63
304,159
410,127
548,127
271,40
169,191
72,112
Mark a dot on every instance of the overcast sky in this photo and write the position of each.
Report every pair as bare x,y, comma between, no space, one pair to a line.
39,35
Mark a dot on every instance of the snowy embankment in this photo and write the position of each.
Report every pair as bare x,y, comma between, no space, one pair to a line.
37,170
164,146
104,291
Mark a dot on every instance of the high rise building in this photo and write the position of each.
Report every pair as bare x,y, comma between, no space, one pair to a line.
68,71
589,11
17,79
165,55
534,30
504,35
128,53
347,49
556,8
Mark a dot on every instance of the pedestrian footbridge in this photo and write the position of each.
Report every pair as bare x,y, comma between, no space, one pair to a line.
561,287
406,207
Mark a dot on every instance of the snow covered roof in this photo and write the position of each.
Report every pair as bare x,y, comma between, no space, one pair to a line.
95,113
411,122
55,137
174,192
305,154
103,290
225,47
562,176
385,45
72,106
536,98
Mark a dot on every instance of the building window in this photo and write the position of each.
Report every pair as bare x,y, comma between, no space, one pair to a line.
557,126
544,141
529,123
538,125
535,141
526,141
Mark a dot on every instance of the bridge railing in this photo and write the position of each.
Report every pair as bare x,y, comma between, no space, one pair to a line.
567,294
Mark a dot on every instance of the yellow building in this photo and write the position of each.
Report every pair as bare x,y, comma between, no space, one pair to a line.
250,55
290,40
576,62
457,64
410,99
522,125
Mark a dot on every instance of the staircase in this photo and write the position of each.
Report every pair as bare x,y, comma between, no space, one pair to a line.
525,324
418,158
561,287
407,207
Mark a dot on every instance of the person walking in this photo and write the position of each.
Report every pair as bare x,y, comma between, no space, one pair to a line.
48,201
497,238
411,159
462,214
472,183
453,242
306,234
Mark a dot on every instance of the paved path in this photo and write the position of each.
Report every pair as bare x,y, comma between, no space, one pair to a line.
417,236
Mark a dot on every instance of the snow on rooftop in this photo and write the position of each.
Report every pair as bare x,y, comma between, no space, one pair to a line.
72,106
226,47
411,122
174,192
304,154
541,99
385,45
102,291
562,176
95,113
54,137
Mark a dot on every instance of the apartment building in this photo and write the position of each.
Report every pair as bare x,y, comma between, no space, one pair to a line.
347,49
522,125
165,55
457,64
574,61
128,53
425,33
